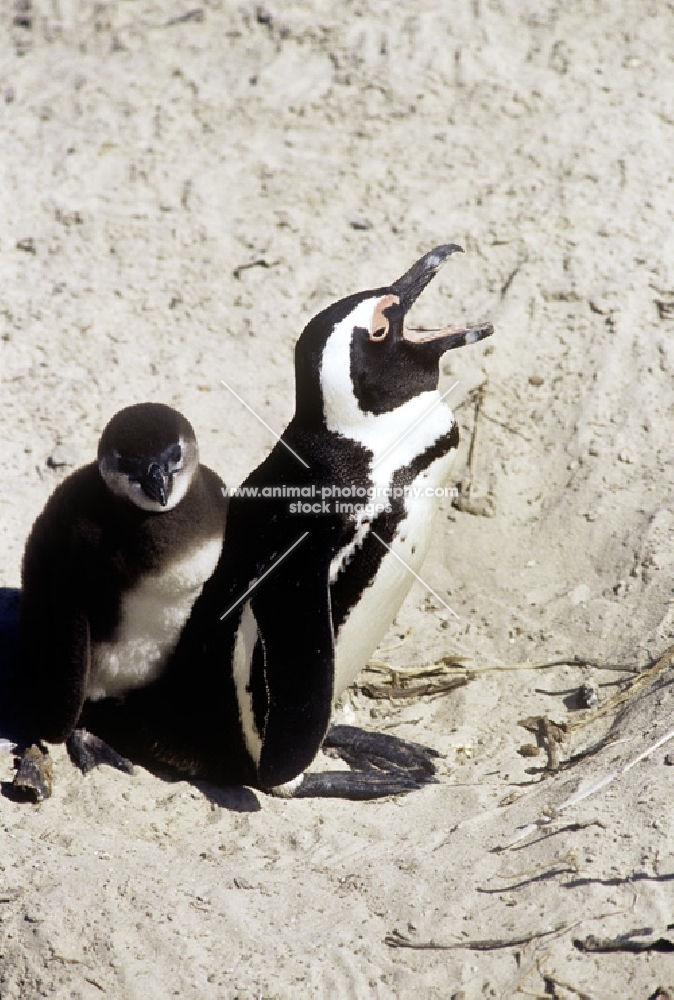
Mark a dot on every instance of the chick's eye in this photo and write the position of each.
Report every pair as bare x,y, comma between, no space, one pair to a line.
128,466
176,454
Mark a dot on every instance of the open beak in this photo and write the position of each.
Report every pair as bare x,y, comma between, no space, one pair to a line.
155,484
449,337
409,287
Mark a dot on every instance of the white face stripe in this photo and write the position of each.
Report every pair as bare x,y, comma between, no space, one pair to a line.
342,413
182,479
376,431
244,645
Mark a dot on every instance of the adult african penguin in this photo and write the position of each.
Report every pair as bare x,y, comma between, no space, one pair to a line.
112,568
303,593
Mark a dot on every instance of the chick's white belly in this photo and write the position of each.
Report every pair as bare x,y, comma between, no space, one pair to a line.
152,616
367,623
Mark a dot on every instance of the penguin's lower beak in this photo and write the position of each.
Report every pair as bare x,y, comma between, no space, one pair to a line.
156,484
409,287
450,337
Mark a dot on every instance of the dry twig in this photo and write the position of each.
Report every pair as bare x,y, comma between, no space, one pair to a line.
640,682
382,691
398,940
626,942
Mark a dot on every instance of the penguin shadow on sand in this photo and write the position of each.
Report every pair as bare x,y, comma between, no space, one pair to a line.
13,729
234,798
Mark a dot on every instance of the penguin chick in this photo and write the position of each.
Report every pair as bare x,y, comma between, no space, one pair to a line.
112,568
304,592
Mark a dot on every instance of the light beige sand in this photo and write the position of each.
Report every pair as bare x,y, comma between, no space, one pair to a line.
319,148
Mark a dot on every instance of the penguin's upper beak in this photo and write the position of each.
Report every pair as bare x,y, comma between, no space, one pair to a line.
409,287
156,484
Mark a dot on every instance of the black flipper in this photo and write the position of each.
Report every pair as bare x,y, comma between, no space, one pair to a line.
58,574
87,751
292,611
55,652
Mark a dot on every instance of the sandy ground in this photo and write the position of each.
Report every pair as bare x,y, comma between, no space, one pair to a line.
181,189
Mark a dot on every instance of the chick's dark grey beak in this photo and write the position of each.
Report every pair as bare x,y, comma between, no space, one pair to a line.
411,285
156,484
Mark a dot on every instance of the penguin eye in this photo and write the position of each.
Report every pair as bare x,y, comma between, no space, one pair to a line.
381,323
128,467
380,332
173,459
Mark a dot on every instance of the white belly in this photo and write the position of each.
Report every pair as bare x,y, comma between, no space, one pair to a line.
153,615
366,625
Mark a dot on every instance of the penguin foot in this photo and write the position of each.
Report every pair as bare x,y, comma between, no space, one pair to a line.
88,751
356,785
34,775
365,751
381,765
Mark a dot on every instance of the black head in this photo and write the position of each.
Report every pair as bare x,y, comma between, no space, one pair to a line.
360,350
148,454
